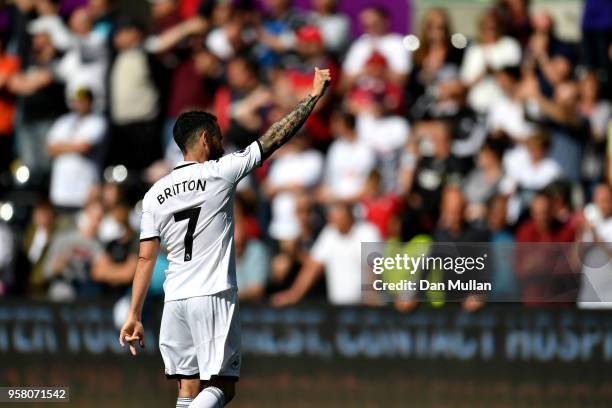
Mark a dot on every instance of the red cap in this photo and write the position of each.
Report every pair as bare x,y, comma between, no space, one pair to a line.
377,59
309,33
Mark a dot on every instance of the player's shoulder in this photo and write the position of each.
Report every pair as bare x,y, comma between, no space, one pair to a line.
228,160
229,157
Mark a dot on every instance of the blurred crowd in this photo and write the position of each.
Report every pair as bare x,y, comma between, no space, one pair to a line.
430,137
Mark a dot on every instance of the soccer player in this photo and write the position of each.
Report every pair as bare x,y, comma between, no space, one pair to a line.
191,210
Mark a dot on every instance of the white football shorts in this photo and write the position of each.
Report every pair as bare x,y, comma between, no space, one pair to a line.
200,336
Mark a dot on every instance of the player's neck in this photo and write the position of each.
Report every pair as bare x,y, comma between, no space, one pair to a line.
199,157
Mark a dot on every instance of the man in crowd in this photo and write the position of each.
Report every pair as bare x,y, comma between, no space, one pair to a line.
71,144
337,254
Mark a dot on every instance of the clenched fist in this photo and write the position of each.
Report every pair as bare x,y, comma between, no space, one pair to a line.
322,78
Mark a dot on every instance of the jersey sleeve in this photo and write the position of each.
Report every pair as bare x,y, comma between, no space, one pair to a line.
234,167
148,229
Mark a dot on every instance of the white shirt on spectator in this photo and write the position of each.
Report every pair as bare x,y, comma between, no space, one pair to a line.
134,97
522,172
53,25
219,44
382,134
508,116
478,59
85,66
341,257
72,174
389,45
335,30
293,168
347,166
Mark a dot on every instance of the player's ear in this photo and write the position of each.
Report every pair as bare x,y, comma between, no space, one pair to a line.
204,139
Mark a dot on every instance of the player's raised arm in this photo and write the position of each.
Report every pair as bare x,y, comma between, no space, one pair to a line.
283,130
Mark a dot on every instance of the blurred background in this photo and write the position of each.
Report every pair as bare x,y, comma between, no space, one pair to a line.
448,121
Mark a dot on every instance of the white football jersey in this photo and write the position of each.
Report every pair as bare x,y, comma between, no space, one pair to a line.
191,210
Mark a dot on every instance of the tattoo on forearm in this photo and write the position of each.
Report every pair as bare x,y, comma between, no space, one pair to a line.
283,130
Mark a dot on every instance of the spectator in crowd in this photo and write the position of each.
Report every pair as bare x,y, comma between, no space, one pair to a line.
310,220
598,113
110,194
483,183
49,18
114,267
379,207
424,176
41,101
504,283
405,241
297,168
595,236
448,102
376,39
242,105
593,106
134,100
544,271
337,253
252,263
549,58
567,129
436,60
348,162
376,102
163,44
292,254
7,254
277,33
309,53
528,169
374,88
85,63
22,13
192,86
453,228
560,193
334,26
542,225
233,35
506,118
492,51
9,65
71,256
71,144
36,245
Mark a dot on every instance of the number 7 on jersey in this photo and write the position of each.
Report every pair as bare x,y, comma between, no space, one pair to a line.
192,215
